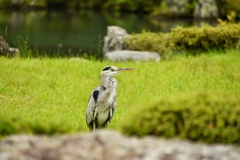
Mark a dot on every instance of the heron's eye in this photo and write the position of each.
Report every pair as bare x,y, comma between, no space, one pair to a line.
112,69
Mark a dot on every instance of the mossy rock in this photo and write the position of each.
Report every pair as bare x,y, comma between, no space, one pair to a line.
206,116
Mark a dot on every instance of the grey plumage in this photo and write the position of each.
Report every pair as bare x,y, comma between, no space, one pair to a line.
102,102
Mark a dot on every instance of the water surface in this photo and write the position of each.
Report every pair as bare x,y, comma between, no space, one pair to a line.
71,33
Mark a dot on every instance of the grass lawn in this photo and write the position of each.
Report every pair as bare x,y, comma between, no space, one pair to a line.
50,96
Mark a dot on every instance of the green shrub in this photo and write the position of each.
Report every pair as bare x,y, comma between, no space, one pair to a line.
224,36
144,6
6,128
193,39
154,7
148,41
12,126
206,116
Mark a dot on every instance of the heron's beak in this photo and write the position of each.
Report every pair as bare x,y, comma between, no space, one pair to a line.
125,69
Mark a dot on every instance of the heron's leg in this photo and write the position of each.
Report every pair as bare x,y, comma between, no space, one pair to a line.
94,126
110,116
94,119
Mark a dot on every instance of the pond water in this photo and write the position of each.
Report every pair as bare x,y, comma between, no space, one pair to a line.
71,33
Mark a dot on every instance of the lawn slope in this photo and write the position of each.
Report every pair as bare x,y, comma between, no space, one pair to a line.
49,96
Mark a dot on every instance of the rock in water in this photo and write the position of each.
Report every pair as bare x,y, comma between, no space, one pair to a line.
115,48
206,9
177,7
114,40
5,50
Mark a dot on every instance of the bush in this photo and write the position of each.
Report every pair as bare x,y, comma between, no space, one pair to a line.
148,41
12,126
224,36
206,116
193,39
151,6
126,5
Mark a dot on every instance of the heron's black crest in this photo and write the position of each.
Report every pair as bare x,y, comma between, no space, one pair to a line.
106,68
95,95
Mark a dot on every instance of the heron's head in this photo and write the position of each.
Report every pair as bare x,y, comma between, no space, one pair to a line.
109,71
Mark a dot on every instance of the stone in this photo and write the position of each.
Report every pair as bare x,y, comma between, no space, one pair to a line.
129,55
14,52
206,9
115,48
109,145
5,50
177,7
114,40
17,2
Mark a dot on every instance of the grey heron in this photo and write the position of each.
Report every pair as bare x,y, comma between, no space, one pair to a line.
102,102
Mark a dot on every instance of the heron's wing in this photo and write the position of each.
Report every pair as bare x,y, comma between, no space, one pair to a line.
92,105
113,107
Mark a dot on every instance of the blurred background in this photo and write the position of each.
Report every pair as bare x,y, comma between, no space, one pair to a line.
69,28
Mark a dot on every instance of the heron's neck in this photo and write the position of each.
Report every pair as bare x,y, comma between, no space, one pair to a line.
105,81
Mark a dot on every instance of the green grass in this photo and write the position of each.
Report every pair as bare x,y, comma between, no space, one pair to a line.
50,96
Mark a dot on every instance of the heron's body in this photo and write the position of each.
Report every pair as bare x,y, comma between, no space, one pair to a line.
102,102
